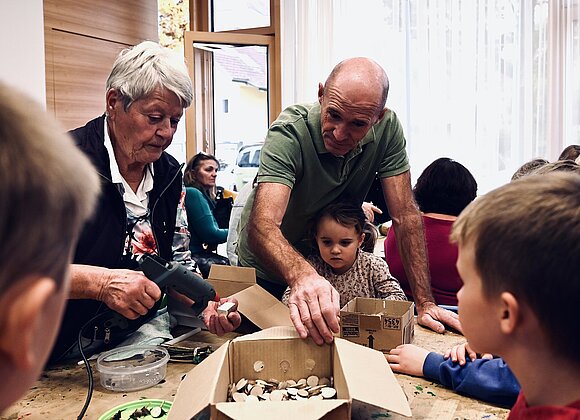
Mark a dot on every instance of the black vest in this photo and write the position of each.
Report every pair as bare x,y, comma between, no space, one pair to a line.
102,239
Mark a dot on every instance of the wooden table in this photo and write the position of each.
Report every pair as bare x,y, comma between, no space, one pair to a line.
60,393
429,400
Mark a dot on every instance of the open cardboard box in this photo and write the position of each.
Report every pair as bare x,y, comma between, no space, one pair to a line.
254,302
365,384
377,323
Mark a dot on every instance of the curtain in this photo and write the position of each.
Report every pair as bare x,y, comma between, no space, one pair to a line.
489,83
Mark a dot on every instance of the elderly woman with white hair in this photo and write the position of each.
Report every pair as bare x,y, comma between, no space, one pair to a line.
141,207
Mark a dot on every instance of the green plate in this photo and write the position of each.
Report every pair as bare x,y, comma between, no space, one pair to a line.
129,408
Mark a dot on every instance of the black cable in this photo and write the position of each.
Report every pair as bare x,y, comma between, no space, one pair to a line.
89,373
87,364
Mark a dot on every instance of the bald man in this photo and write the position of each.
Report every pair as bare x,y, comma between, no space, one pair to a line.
314,154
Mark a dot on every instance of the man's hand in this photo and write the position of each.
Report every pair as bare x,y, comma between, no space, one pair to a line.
369,210
408,359
314,304
458,353
435,318
129,292
220,324
314,308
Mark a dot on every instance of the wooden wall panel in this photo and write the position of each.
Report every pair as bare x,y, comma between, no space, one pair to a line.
125,21
79,76
82,40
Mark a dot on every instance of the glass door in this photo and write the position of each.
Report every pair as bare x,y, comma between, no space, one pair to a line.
233,102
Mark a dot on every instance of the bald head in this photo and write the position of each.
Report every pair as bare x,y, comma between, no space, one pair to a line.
363,74
351,101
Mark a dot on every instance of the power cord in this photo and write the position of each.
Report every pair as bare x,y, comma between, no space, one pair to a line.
89,374
87,365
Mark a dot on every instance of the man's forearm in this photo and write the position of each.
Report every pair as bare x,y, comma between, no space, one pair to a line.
411,245
274,251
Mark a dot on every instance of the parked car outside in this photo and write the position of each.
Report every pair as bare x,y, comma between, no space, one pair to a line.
247,164
225,177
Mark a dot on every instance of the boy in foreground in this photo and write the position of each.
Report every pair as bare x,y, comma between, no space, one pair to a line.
518,252
47,189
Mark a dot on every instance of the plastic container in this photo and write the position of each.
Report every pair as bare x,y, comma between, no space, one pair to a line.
132,368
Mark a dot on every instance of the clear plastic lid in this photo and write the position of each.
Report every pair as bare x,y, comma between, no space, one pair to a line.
132,359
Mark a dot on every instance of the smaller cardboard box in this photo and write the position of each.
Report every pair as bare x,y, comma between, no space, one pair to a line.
377,323
254,302
365,385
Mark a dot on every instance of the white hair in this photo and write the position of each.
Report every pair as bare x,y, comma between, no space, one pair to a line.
139,70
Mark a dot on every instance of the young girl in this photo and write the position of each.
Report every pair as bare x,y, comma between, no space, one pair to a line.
340,233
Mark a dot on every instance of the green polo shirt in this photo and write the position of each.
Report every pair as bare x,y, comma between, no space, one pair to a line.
294,155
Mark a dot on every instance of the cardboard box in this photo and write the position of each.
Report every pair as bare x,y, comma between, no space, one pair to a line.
254,302
365,384
377,323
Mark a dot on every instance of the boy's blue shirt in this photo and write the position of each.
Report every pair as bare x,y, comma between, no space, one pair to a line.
484,379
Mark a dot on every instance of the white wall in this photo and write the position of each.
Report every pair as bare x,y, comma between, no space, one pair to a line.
22,47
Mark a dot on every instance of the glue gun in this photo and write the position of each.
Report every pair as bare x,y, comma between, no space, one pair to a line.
171,274
112,327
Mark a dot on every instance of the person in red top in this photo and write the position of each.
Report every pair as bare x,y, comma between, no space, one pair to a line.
442,191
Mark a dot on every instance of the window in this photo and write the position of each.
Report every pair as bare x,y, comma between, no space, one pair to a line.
230,15
244,160
236,75
256,158
490,83
570,60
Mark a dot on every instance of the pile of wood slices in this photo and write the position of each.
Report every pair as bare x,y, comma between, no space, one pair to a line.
247,390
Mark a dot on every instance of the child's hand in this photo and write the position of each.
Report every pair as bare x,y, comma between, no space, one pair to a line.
369,210
457,353
407,358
